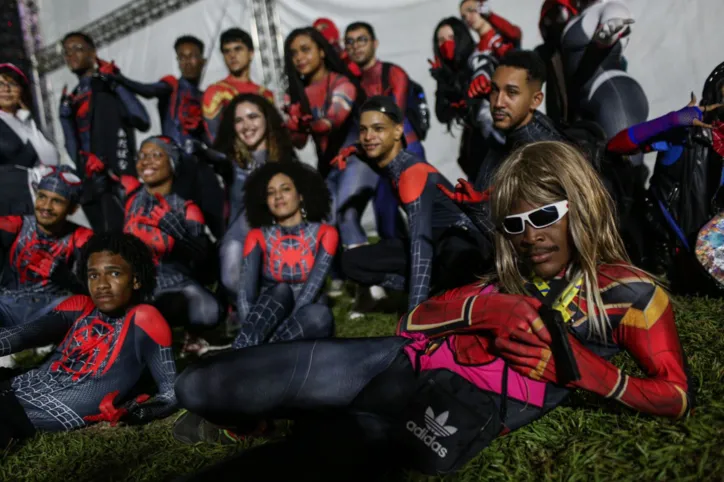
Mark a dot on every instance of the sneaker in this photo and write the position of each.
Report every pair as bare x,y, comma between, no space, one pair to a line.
336,288
193,429
355,315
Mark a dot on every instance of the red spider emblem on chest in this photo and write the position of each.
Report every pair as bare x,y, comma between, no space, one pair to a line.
87,349
293,253
159,243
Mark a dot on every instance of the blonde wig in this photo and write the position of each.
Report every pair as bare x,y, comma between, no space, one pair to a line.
543,173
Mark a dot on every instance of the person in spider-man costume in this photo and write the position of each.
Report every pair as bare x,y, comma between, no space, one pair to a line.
251,134
41,250
179,99
99,116
330,32
179,107
380,78
108,340
238,50
684,192
475,362
445,247
323,95
287,256
174,231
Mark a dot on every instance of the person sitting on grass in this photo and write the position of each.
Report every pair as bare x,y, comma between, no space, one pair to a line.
41,251
108,339
476,362
174,229
286,259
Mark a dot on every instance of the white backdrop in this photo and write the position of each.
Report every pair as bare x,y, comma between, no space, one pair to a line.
674,46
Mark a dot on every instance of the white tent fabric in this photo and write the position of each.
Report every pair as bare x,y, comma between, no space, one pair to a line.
674,45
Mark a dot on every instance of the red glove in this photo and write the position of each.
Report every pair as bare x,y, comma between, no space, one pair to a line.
479,87
293,110
320,126
108,412
41,262
495,313
93,165
158,212
340,160
106,68
528,352
465,193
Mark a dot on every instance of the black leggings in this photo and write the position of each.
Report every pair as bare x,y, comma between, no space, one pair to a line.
293,380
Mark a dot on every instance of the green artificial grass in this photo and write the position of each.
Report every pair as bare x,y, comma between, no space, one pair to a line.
587,439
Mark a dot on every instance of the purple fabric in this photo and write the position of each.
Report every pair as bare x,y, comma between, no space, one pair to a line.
641,133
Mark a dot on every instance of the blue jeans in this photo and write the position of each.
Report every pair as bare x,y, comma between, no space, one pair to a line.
19,310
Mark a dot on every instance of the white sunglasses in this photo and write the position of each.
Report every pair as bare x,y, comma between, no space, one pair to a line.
538,218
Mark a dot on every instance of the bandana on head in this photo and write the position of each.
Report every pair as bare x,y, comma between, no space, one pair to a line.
63,182
328,29
169,146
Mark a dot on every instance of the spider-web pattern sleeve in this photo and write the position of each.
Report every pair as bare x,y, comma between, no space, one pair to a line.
154,346
50,328
251,262
418,206
326,249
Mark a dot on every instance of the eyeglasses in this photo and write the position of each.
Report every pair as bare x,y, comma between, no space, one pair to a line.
538,218
363,40
155,155
70,50
9,85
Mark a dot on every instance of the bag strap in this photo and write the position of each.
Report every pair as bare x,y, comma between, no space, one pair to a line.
385,77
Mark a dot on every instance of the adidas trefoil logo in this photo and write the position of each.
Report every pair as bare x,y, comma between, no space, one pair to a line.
434,427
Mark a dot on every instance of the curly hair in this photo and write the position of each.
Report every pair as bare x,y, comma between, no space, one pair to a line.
278,142
309,183
132,250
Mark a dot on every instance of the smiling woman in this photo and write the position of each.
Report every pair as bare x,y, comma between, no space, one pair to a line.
251,134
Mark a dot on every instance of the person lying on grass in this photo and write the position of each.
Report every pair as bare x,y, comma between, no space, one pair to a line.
478,361
109,339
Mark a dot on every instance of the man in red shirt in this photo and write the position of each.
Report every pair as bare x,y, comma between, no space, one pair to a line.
238,50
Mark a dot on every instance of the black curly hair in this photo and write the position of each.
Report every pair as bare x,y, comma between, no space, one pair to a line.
309,183
132,250
278,142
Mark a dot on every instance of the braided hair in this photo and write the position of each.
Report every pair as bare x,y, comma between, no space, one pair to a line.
132,250
309,183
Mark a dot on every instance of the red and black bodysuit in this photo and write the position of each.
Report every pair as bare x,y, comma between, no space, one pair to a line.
283,272
96,366
39,267
432,217
333,99
174,231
